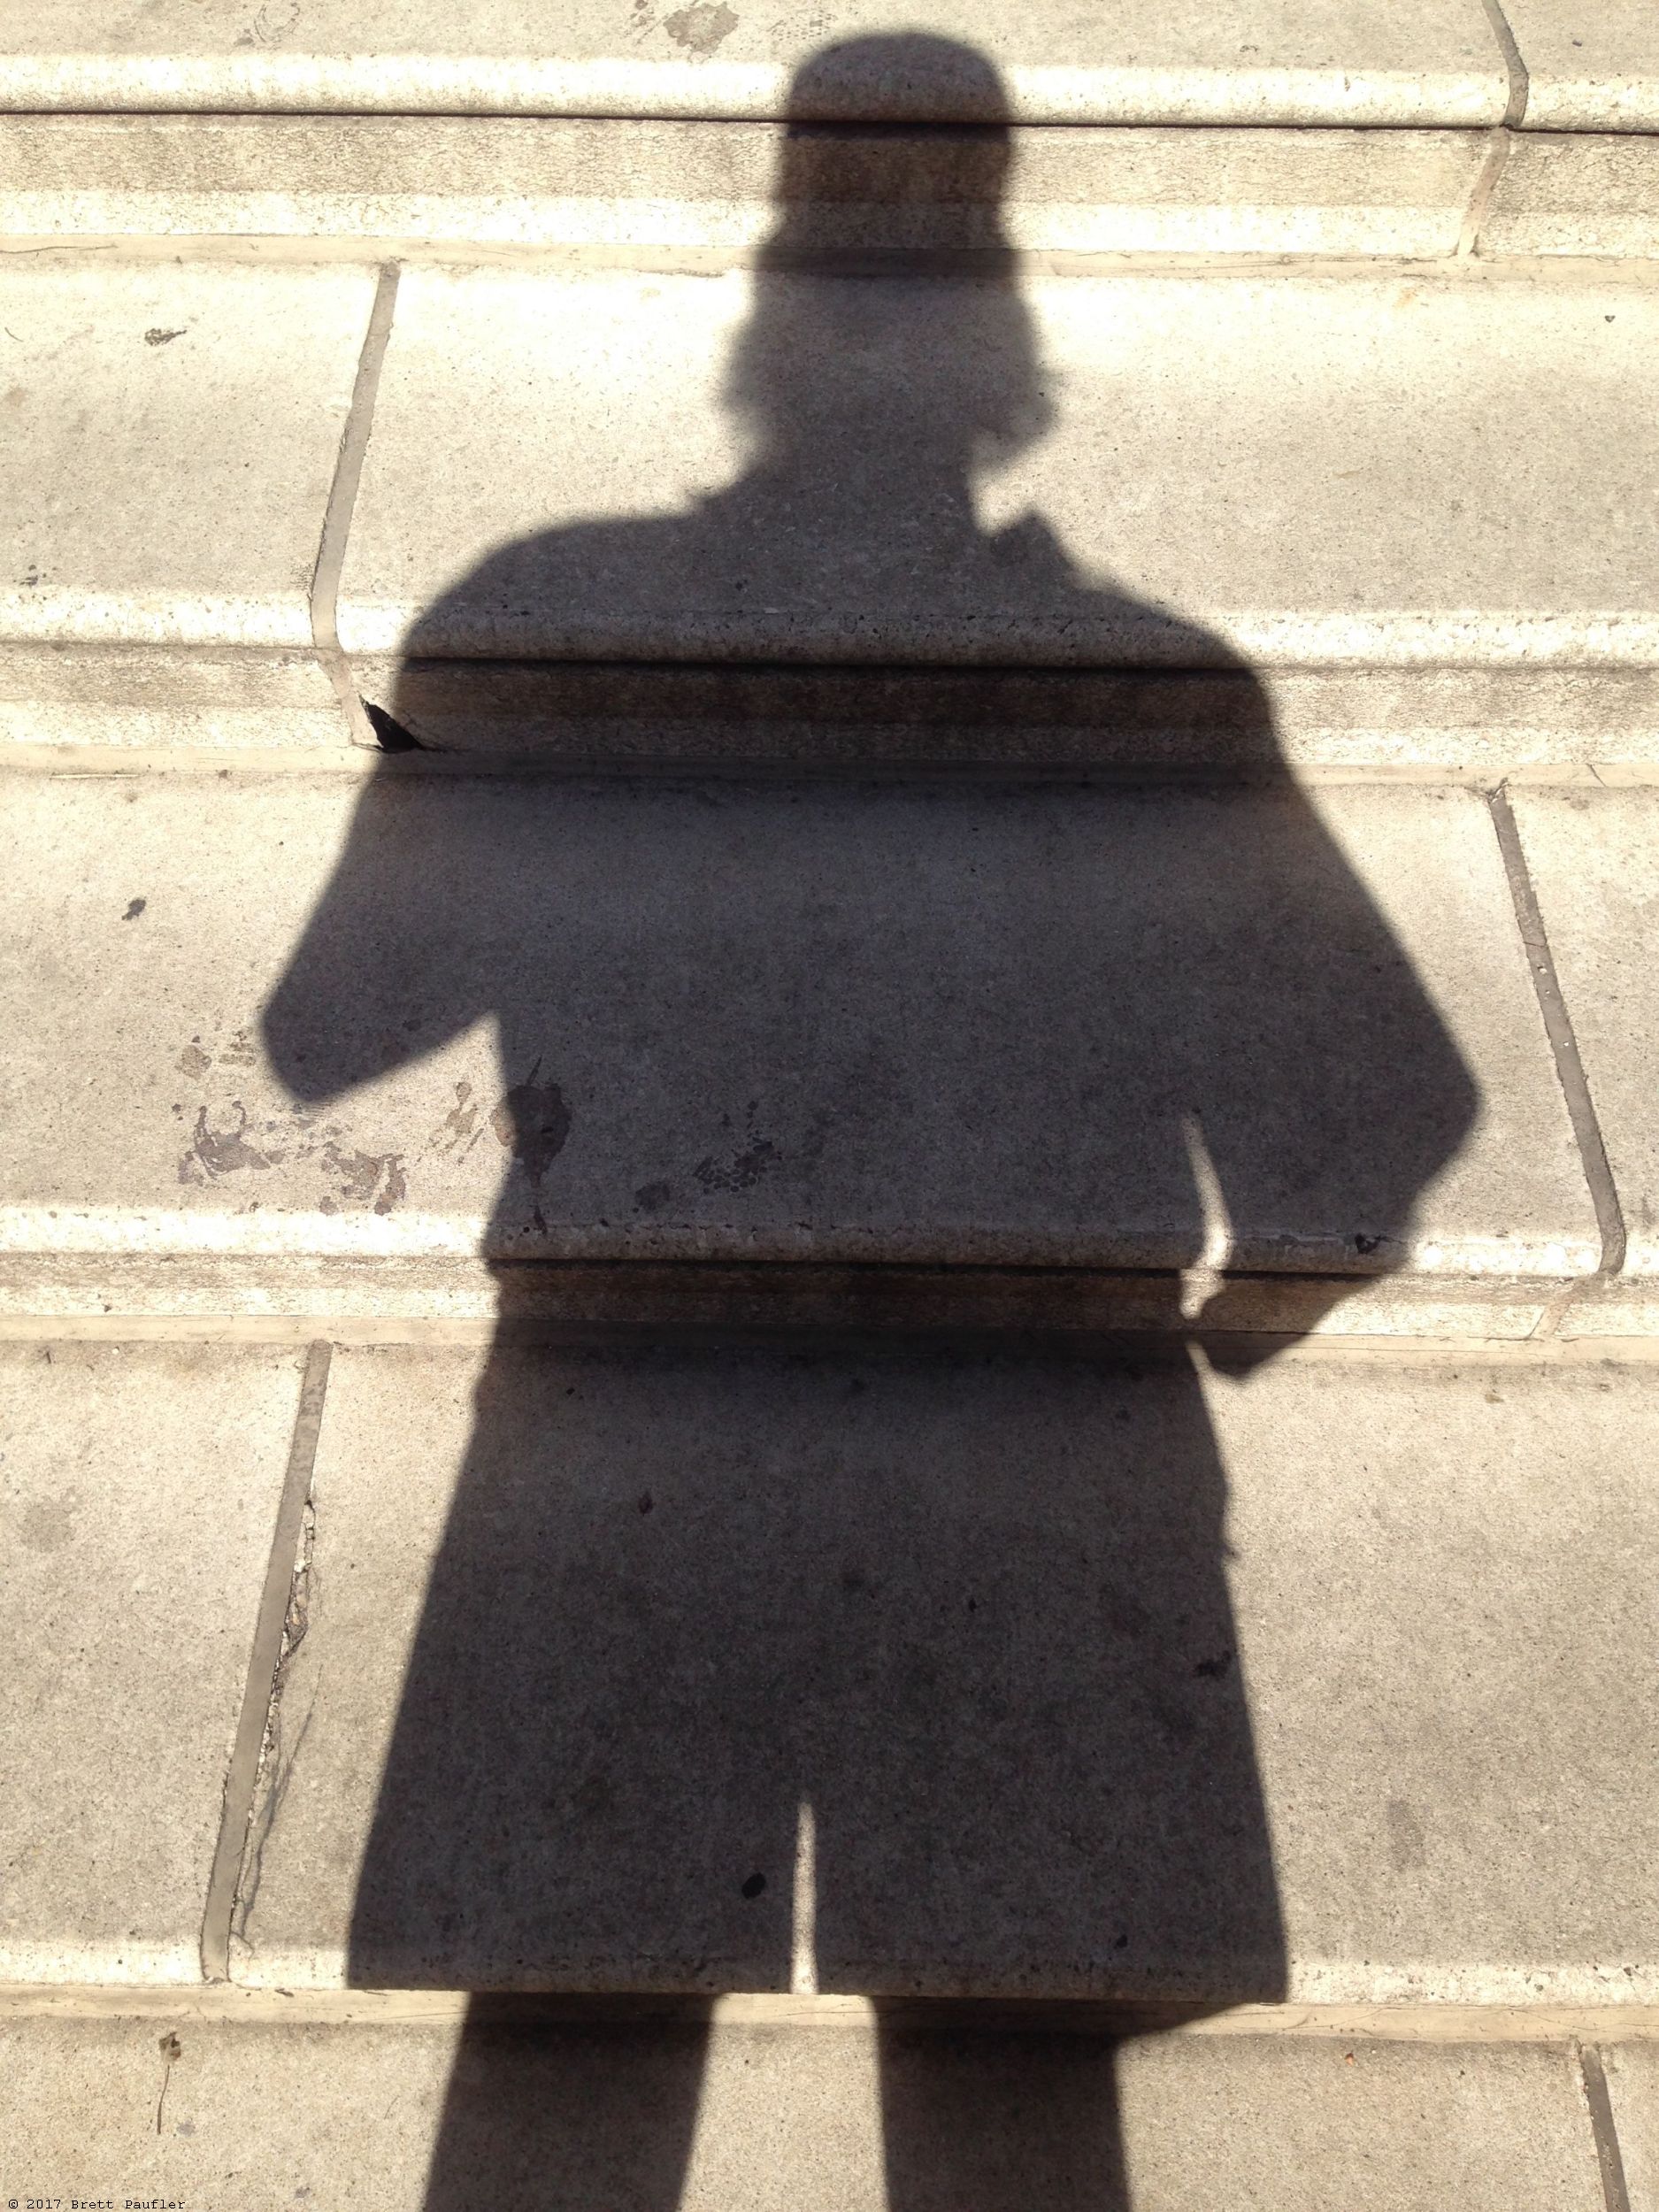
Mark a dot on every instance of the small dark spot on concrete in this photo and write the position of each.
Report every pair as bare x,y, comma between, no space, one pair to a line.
1362,1243
1408,1845
162,337
216,1152
194,1060
46,1527
134,908
754,1886
651,1196
368,1178
532,1122
1121,1943
699,29
646,1502
1213,1669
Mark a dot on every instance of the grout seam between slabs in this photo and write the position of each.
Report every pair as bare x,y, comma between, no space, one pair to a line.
242,1773
1514,63
1485,184
1603,2127
343,499
1569,1070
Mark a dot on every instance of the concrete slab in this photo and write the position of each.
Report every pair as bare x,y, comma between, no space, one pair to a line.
1568,194
306,1019
138,1494
1594,857
1588,69
171,439
1424,61
1170,472
946,1674
746,2120
1632,2087
585,182
138,696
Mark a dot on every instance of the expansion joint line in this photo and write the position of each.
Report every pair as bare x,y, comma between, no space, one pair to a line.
1570,1071
242,1777
1515,108
342,498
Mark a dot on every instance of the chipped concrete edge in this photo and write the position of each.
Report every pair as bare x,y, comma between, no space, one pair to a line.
243,1775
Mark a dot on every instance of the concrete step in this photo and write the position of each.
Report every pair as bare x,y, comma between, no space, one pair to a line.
724,187
754,2116
173,436
1316,61
608,513
897,1670
723,190
365,1043
140,1495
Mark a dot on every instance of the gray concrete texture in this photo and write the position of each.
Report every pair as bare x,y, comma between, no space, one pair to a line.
171,435
1186,472
1588,68
1633,2084
1421,63
950,1674
591,181
1594,858
1561,194
297,1017
138,1499
763,2120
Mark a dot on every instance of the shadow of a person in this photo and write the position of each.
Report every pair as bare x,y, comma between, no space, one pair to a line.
913,1672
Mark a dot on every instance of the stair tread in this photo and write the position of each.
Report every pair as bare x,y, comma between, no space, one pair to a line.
653,2118
139,1486
1596,69
1126,1683
1318,61
1119,470
433,1017
557,466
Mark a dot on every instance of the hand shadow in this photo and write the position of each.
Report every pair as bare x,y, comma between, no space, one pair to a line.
949,1631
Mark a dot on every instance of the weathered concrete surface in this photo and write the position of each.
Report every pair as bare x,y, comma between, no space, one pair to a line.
766,2120
951,1674
1566,194
301,1017
213,400
1160,470
1594,858
138,1494
1588,69
1424,61
155,694
1633,2084
586,181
